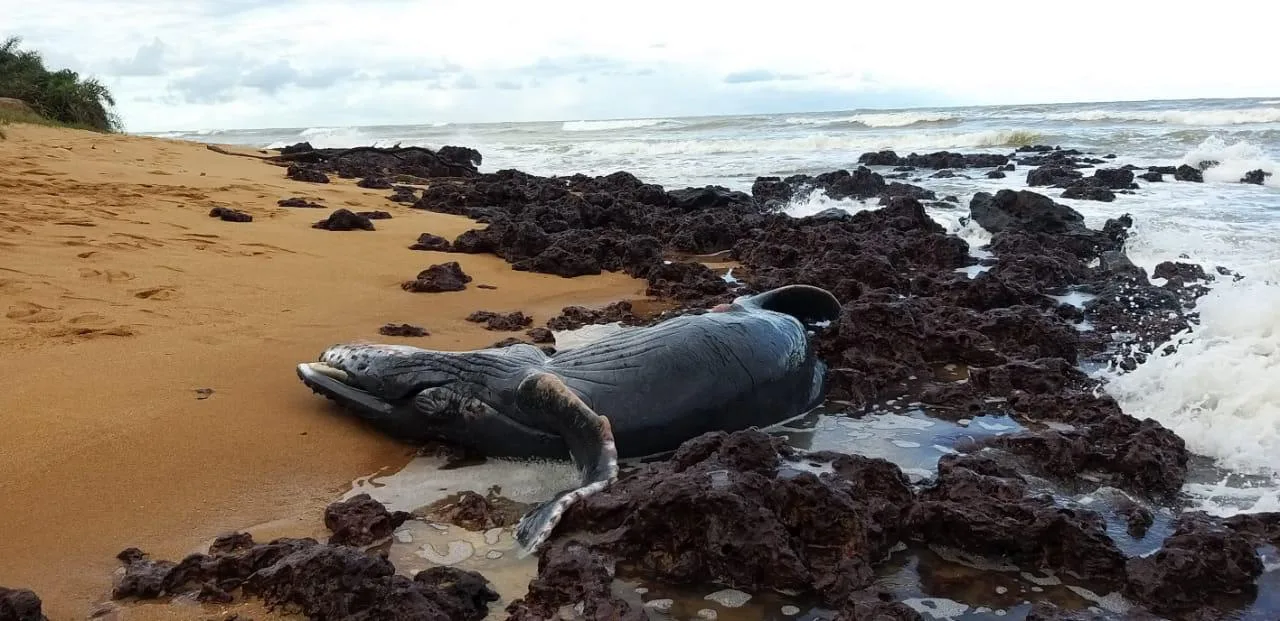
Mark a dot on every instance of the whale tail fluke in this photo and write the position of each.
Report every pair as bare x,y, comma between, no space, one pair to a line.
808,304
589,437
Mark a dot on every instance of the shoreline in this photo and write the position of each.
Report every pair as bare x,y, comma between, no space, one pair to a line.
125,297
1016,333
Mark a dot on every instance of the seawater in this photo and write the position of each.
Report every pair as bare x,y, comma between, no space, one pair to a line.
1220,391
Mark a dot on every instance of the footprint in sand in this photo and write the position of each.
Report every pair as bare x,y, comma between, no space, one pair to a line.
157,293
91,320
28,312
108,275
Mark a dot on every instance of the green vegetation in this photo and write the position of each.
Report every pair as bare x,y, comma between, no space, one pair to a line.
58,97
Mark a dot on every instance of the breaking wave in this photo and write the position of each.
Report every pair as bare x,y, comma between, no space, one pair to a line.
818,142
607,126
1241,116
884,119
1233,161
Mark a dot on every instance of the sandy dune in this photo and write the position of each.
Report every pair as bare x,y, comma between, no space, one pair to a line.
121,297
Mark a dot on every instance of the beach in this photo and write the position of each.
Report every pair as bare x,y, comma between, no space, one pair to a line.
1047,392
123,299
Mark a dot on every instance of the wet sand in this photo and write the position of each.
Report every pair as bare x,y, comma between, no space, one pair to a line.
121,298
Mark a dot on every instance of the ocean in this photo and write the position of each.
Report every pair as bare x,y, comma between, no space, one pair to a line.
1220,391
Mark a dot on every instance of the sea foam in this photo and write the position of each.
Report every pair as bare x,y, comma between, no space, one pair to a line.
1220,391
1239,116
1234,160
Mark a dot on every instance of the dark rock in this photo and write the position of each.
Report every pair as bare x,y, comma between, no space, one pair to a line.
361,521
1187,173
1052,176
1023,210
574,317
227,214
298,201
571,574
375,215
1257,177
1178,274
1154,177
943,174
512,321
995,174
403,194
435,243
1137,518
1202,564
385,162
727,508
1141,456
474,512
375,183
877,606
1089,192
20,605
973,509
298,172
300,147
1114,178
403,329
438,278
345,220
541,335
320,581
685,281
231,542
937,160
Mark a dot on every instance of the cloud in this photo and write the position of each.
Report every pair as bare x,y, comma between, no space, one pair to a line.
759,75
148,60
265,63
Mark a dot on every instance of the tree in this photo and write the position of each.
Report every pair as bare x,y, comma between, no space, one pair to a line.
61,96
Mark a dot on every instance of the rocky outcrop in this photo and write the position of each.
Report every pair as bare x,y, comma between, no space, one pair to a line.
322,581
439,278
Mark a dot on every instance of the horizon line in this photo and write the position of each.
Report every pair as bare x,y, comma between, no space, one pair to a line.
715,116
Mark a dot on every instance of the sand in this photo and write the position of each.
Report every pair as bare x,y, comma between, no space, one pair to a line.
121,298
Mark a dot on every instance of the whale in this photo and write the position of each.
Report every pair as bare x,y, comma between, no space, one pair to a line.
637,392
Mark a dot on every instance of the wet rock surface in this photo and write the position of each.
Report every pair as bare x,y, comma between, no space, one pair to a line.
20,605
937,160
474,512
719,512
438,278
321,581
1203,564
909,310
572,576
361,521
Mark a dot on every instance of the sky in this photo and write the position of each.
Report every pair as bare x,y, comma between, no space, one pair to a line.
224,64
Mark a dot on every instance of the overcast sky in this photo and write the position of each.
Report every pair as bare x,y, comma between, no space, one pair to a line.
205,64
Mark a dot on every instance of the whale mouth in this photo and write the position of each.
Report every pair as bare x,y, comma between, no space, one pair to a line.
335,384
328,371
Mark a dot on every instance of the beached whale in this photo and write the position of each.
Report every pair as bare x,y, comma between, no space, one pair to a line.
637,392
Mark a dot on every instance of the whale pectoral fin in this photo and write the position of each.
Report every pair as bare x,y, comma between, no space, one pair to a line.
589,438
